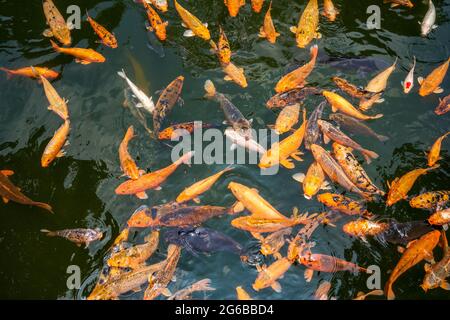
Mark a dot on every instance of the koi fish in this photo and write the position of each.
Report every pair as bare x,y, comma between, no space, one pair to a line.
257,5
362,296
233,116
263,225
330,132
440,218
351,89
30,73
287,118
399,188
107,38
444,106
151,180
268,276
431,83
299,242
57,104
367,103
182,129
161,5
408,84
235,74
280,152
169,96
428,21
297,78
433,155
77,236
272,244
343,204
362,228
138,113
9,192
416,252
268,29
222,49
186,293
145,101
242,294
54,149
354,170
127,163
395,3
308,25
379,82
312,133
356,126
135,256
430,200
437,273
234,6
313,181
57,24
296,95
329,10
158,282
339,103
334,171
83,56
156,23
403,233
195,26
200,187
239,139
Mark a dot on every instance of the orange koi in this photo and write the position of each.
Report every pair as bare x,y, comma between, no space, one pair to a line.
308,24
30,73
107,38
54,147
433,155
268,29
127,163
242,294
440,218
156,23
343,204
339,103
430,200
257,5
362,228
236,74
234,6
287,118
432,82
83,56
268,276
195,26
329,10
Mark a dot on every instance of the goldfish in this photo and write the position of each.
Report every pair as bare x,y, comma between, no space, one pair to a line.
312,133
416,252
222,50
353,169
395,3
339,103
329,10
234,6
351,89
367,103
379,82
356,126
330,132
186,293
145,101
107,38
362,228
30,73
272,244
127,163
440,218
169,96
156,23
363,296
428,21
408,84
54,147
308,25
432,82
399,188
198,188
58,26
151,180
235,74
9,192
242,294
433,155
430,200
57,104
296,95
243,140
297,78
287,118
195,26
334,171
268,276
343,204
313,181
280,152
158,282
181,129
83,56
322,291
268,29
257,5
444,106
437,273
135,256
124,282
77,236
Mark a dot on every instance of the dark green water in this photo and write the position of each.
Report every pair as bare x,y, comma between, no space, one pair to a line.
80,186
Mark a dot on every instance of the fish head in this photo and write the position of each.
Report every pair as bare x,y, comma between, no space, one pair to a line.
270,157
407,86
46,160
142,217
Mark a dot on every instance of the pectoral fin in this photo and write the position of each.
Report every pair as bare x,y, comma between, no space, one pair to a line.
300,177
5,200
7,172
188,34
445,285
438,90
309,273
142,195
276,287
420,80
326,140
47,33
61,153
238,207
166,292
227,78
293,29
196,200
288,164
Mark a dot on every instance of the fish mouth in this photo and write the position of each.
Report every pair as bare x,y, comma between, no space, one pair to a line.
307,197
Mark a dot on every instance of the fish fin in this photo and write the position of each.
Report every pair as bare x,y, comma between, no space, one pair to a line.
300,177
188,34
277,256
309,273
166,292
238,207
257,236
142,172
326,139
70,25
47,33
293,29
7,172
296,155
325,186
400,249
262,33
427,267
180,101
333,108
137,289
150,28
402,83
158,188
287,163
205,24
318,35
196,200
5,200
445,285
233,147
61,153
183,25
420,80
142,195
381,100
276,286
434,26
438,90
227,78
382,138
48,232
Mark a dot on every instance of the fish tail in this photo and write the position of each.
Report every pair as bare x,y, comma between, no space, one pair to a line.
369,154
314,51
54,45
389,292
122,74
382,138
203,285
377,116
433,167
185,158
8,72
210,89
49,233
44,206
